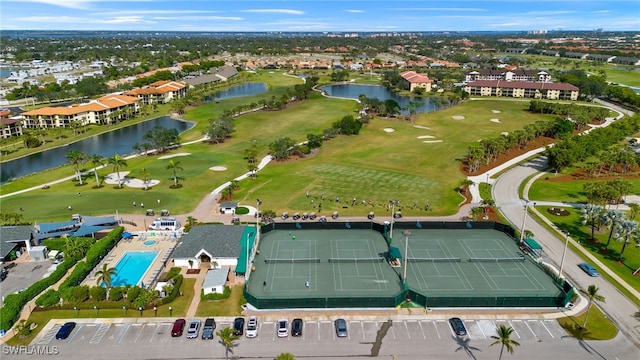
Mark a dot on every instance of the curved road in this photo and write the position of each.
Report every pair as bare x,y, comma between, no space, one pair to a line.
505,193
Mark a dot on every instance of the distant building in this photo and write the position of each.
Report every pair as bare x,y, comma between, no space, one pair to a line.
523,89
416,80
531,75
160,92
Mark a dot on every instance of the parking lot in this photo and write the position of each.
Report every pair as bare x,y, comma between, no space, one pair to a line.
314,331
23,274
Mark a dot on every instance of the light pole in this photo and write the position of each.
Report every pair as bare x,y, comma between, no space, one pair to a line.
564,252
140,309
393,213
124,311
155,311
524,219
95,308
170,311
487,186
406,234
258,203
76,309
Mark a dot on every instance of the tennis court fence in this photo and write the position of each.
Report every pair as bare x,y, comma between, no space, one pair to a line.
443,259
356,260
497,260
296,260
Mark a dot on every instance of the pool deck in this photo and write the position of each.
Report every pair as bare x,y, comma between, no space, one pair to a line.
164,244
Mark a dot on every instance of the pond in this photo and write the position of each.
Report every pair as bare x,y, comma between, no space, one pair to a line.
247,89
353,91
119,141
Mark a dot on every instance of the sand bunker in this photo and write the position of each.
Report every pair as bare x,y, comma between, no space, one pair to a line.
457,117
494,120
218,168
426,137
505,133
173,155
496,111
432,141
112,179
389,130
421,127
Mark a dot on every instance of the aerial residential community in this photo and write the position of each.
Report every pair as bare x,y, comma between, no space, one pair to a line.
277,180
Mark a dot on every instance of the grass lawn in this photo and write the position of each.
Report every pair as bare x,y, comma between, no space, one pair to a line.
41,318
579,232
226,307
598,327
545,189
375,165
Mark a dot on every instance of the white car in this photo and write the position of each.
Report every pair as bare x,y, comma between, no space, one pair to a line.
252,327
283,327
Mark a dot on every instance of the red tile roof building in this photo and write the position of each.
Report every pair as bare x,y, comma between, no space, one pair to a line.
416,80
523,89
160,92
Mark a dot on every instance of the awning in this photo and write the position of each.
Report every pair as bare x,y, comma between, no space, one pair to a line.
533,244
57,226
85,230
394,253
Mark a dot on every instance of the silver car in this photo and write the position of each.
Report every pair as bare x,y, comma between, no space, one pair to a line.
252,327
194,329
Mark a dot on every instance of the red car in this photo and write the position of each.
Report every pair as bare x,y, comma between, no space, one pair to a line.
178,327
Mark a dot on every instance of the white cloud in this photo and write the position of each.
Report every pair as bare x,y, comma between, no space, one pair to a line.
275,11
153,12
52,19
125,20
354,11
437,9
191,18
70,4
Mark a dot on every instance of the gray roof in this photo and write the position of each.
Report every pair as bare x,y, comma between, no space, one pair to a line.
215,277
12,235
229,205
220,241
204,79
227,72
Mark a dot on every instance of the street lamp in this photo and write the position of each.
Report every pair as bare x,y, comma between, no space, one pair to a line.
406,234
140,309
76,309
170,311
564,252
524,219
95,308
155,311
124,311
393,213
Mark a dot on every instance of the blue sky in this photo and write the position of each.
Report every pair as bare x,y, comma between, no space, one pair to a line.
316,15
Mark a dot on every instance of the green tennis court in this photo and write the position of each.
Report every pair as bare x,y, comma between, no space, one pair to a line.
355,267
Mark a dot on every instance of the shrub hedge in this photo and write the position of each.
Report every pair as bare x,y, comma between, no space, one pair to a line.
176,290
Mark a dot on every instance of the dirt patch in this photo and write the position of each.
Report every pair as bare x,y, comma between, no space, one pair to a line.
193,271
558,211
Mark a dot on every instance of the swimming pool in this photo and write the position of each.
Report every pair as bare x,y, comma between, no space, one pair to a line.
132,267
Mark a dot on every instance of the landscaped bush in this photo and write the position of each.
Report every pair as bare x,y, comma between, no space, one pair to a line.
80,293
176,290
133,293
216,296
55,243
49,298
242,210
172,273
98,293
116,293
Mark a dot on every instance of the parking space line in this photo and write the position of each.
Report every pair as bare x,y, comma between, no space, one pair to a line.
436,327
123,333
76,334
545,327
155,333
140,333
514,329
406,327
363,334
100,333
422,330
530,329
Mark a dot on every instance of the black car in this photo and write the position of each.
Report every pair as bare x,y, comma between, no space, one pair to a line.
65,330
458,326
296,327
238,326
208,328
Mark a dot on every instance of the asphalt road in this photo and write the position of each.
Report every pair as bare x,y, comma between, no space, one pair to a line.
505,193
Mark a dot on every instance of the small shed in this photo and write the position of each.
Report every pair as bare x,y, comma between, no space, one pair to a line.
228,207
37,253
215,281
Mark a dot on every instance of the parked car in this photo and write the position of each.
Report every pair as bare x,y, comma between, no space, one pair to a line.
208,329
252,327
589,269
458,326
283,327
238,326
3,274
194,329
296,327
65,330
178,327
341,327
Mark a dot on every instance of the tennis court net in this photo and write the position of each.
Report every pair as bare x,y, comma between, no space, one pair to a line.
298,260
356,260
444,259
497,260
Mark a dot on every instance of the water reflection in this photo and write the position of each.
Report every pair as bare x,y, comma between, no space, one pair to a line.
119,141
353,91
247,89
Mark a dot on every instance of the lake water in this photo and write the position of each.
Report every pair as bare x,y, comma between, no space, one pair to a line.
5,72
353,91
119,141
247,89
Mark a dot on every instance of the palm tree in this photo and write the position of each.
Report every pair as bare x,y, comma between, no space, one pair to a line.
106,275
285,356
503,337
226,339
465,184
590,213
592,294
97,161
633,210
191,220
145,175
76,158
118,162
612,219
175,166
628,230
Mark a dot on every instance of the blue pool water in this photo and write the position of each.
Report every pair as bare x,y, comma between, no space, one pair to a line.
132,267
